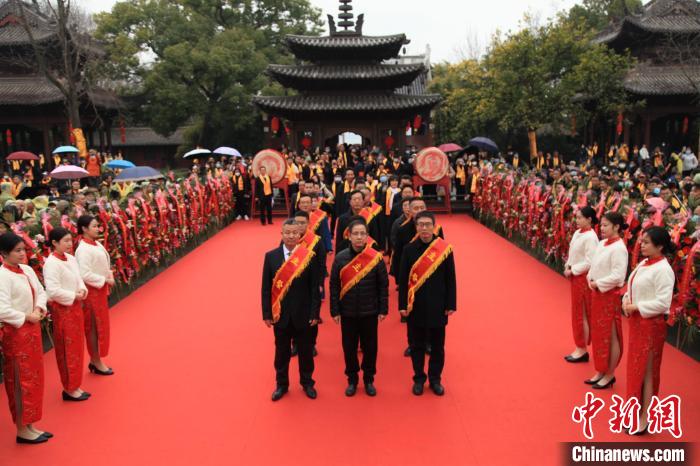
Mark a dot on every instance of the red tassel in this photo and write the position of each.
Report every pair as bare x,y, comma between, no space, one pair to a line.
685,125
619,123
122,130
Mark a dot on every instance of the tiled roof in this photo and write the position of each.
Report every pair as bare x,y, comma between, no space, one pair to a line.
345,41
373,76
37,90
345,47
144,136
663,80
659,16
13,33
346,103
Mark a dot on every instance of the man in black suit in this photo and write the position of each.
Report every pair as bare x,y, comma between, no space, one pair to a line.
300,310
357,202
263,191
434,302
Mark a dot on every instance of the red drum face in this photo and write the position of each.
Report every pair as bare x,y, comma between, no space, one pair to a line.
274,163
431,164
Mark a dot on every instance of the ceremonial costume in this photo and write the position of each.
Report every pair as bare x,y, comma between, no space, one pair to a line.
95,268
427,289
63,282
581,250
650,288
23,367
608,270
291,299
359,288
341,228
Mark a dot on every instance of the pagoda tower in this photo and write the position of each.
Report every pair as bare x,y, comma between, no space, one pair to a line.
343,83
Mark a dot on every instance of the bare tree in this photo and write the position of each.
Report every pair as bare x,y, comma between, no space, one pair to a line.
471,47
65,58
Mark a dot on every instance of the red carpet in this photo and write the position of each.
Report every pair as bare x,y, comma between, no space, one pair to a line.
194,375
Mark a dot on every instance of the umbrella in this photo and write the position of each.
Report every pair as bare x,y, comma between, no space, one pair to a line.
65,149
68,172
22,155
450,147
484,143
227,151
119,164
197,152
138,174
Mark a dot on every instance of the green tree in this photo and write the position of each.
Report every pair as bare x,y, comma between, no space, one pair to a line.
199,62
597,14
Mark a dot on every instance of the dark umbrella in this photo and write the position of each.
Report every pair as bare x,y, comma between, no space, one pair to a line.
22,155
138,174
484,144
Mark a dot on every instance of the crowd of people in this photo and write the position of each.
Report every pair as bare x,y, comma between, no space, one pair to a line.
360,204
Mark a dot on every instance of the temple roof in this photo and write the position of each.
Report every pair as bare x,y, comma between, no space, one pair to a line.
345,46
37,90
648,80
12,32
658,16
348,103
145,136
346,76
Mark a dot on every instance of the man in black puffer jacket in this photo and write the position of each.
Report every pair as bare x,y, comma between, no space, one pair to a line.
359,289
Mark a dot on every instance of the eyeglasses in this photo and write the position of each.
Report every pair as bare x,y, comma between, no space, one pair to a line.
359,234
424,225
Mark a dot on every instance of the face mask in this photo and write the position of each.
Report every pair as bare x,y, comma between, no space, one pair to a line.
238,174
696,219
383,179
338,179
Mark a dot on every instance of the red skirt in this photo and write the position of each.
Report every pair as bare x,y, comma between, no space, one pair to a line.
96,313
580,307
23,370
647,338
605,312
68,335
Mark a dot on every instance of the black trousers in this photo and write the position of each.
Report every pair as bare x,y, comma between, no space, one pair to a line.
283,353
241,205
265,208
418,338
362,330
292,192
461,191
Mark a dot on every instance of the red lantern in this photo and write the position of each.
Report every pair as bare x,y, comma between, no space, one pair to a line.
275,124
122,130
417,121
8,137
389,141
619,123
685,125
306,142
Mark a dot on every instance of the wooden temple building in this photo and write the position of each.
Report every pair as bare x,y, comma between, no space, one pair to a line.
33,116
662,33
349,82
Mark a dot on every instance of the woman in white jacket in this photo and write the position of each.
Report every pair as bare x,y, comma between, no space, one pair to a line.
22,307
647,301
605,278
66,292
96,272
581,249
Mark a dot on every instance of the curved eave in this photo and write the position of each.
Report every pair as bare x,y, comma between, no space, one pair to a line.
323,105
312,77
629,25
345,47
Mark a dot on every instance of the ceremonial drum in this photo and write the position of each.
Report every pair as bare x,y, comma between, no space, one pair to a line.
273,161
431,165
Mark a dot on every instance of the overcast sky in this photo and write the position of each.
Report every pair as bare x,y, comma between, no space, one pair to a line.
450,27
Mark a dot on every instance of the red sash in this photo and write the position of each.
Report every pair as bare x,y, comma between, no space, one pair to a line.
315,219
358,268
290,270
425,266
309,240
368,213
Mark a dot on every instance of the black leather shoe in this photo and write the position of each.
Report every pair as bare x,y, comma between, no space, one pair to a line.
404,319
93,369
279,393
310,392
47,434
610,384
351,390
583,358
295,350
67,397
591,381
437,388
370,390
418,389
40,439
407,352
